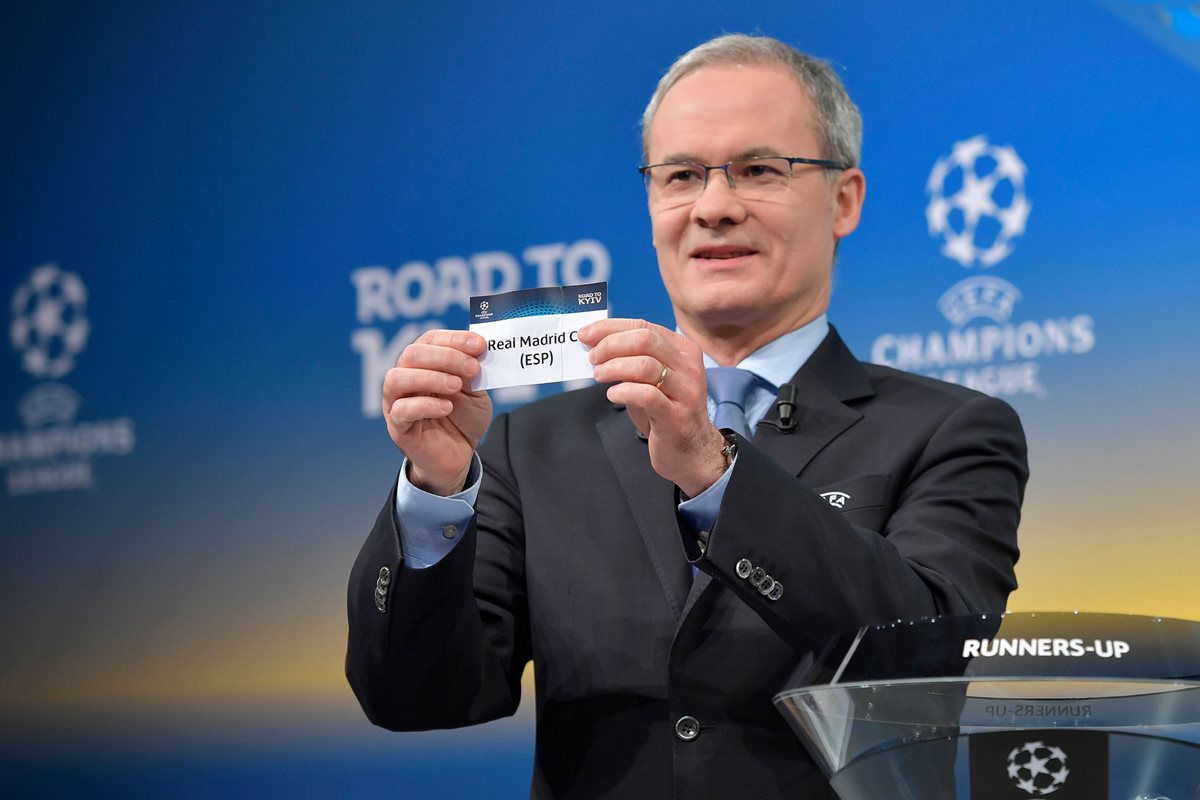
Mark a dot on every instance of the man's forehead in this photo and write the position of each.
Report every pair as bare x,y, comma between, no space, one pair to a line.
732,111
715,82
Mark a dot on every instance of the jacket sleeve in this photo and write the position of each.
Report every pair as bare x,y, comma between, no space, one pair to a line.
444,646
949,546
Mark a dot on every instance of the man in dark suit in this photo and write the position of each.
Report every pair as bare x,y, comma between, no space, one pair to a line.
665,572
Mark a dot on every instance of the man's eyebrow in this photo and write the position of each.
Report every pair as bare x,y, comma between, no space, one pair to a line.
757,152
680,158
692,158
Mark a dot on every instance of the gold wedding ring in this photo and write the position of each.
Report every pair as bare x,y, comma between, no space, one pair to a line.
662,377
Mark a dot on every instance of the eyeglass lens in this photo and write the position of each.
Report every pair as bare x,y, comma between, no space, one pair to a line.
752,179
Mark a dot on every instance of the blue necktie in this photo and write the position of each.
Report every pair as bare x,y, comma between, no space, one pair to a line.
729,388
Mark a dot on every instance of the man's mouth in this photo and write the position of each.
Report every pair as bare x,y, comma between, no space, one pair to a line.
722,252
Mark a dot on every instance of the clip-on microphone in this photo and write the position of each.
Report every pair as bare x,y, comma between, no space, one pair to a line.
785,405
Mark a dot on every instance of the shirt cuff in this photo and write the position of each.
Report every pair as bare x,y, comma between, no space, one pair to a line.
430,525
700,512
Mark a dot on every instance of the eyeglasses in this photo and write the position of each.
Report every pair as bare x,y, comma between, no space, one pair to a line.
678,183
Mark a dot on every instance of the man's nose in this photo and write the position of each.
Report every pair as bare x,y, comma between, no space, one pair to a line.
718,204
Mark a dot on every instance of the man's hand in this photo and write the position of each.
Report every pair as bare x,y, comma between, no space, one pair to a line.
432,415
660,379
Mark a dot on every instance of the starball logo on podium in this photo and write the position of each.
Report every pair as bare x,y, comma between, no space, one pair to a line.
1018,765
978,210
49,331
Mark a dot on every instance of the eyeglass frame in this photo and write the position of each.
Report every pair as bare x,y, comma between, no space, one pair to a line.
644,169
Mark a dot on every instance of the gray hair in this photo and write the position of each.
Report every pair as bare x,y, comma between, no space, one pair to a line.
839,124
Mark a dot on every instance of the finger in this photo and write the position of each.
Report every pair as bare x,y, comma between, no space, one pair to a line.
642,398
637,369
592,333
657,343
407,411
464,341
404,381
439,358
639,420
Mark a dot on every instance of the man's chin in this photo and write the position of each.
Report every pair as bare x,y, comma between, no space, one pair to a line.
728,308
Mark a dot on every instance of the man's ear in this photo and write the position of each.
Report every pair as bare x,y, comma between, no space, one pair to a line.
848,194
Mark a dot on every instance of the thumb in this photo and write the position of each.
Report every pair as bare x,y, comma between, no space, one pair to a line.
640,419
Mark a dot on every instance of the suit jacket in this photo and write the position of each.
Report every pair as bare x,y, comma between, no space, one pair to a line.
576,558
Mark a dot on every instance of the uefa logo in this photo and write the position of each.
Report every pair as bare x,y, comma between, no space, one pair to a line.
836,499
977,204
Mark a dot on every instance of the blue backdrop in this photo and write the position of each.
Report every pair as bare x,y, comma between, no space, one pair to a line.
223,220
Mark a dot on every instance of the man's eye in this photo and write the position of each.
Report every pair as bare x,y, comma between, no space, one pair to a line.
760,170
682,175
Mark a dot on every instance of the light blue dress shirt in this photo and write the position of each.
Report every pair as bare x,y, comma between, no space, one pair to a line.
432,525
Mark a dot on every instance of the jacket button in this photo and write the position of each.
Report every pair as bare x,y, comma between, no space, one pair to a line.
381,589
757,577
687,728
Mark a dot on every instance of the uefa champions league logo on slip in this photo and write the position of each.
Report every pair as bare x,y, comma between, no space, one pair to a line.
977,204
48,331
1038,769
49,321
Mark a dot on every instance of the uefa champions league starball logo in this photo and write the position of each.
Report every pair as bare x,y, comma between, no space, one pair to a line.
49,321
1037,768
54,452
977,204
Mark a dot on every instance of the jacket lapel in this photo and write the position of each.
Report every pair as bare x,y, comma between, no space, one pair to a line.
830,378
651,500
